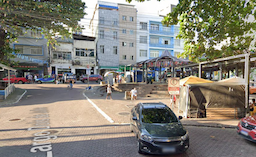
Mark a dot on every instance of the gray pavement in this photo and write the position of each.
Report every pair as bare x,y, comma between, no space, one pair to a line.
77,129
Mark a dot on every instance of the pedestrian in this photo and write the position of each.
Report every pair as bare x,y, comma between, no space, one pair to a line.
30,78
35,78
71,83
120,78
134,94
165,76
109,91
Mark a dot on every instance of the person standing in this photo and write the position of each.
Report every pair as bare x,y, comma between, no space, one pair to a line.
120,78
134,94
109,92
30,78
35,78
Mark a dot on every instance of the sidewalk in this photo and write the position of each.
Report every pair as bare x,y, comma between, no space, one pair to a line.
119,109
13,98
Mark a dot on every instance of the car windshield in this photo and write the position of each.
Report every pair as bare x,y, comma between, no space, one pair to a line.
158,115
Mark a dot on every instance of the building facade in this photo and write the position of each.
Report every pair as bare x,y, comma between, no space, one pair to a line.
33,55
107,35
154,38
127,34
77,56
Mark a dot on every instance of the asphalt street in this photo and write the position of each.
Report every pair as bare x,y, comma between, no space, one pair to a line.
52,120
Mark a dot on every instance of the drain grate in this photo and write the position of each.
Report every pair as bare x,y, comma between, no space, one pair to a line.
14,119
124,113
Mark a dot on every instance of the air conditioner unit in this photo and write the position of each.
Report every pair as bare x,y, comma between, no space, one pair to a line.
1,69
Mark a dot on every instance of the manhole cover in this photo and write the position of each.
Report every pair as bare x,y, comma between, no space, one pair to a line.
14,119
124,113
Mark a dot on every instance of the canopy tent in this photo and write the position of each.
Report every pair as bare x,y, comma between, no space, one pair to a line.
193,80
196,96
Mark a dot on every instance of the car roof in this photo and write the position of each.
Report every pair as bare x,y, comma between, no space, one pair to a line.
153,105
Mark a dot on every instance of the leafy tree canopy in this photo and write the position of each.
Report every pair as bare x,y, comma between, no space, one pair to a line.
214,28
50,16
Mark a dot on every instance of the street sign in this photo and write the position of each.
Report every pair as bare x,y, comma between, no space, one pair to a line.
174,86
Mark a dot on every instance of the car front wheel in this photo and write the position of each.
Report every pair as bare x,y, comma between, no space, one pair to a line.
139,148
40,82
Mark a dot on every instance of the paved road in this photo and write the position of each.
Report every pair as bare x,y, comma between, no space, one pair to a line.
77,129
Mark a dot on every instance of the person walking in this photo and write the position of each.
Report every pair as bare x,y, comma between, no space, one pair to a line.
134,94
71,83
109,91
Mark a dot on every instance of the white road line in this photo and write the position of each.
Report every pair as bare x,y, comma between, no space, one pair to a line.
20,97
100,111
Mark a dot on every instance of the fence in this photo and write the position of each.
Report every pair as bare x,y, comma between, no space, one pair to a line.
7,91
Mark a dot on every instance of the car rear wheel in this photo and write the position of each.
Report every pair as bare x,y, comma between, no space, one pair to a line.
20,82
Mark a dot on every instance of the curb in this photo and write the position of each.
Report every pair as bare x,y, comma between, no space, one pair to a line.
211,126
20,97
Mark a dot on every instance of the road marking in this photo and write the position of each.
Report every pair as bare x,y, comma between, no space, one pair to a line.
100,111
20,97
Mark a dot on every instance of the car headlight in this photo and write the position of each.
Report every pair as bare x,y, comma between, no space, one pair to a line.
184,137
146,137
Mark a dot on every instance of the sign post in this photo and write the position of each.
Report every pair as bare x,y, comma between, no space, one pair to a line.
173,89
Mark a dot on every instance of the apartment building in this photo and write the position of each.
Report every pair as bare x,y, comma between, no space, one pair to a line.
127,34
33,56
107,35
155,38
77,56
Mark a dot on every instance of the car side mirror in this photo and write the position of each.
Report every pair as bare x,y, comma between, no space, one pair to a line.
134,118
180,117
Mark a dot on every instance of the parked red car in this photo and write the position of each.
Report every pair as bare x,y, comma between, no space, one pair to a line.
96,78
15,79
247,128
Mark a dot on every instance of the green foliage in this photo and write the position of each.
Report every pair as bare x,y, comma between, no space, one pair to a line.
206,24
51,16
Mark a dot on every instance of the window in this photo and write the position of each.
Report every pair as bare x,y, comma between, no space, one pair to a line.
123,43
131,57
31,33
143,39
30,50
124,18
161,115
166,42
115,35
154,27
177,42
101,20
131,18
166,29
124,57
80,52
101,48
131,31
101,34
131,44
143,26
115,50
154,54
154,40
115,22
62,55
124,31
176,29
143,53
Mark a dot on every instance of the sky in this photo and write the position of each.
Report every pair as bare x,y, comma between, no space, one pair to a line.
149,8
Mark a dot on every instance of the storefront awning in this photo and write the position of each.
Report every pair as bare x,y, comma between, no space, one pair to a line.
2,66
108,67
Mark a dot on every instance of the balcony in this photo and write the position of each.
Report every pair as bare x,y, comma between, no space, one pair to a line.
161,45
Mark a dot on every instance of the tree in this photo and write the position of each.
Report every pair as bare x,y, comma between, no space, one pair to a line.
50,16
207,24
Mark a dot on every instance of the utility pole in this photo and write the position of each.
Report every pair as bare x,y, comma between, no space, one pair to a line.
88,66
247,80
